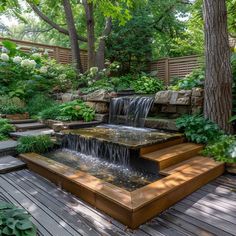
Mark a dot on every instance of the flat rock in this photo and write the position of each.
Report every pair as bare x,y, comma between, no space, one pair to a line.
10,163
23,121
8,147
32,133
30,126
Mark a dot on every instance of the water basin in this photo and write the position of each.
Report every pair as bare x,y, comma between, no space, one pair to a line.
118,175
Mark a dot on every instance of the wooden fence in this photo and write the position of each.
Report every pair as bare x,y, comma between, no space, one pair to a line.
169,68
60,54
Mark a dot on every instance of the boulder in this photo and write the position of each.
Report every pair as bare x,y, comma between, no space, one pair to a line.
96,96
197,92
163,97
182,97
99,107
67,97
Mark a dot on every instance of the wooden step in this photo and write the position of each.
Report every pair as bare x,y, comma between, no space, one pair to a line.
30,126
158,146
194,161
173,155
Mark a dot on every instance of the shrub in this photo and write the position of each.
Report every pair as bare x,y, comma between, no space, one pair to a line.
223,150
193,80
12,109
74,110
15,221
5,129
38,103
147,85
197,129
38,144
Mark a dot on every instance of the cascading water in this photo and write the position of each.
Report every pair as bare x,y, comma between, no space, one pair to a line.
114,153
135,110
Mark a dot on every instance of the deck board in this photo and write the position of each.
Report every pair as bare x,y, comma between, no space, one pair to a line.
209,211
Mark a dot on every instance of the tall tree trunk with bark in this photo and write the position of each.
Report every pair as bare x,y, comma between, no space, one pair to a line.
89,11
73,36
218,83
100,55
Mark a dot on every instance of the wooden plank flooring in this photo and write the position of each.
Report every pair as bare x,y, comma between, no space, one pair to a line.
209,211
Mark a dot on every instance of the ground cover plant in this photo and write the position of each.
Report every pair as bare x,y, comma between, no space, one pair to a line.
224,149
15,221
38,144
69,111
5,129
198,129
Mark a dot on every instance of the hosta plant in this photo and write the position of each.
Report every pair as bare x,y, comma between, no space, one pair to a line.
197,129
15,221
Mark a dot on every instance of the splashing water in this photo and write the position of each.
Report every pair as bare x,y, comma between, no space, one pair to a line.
135,110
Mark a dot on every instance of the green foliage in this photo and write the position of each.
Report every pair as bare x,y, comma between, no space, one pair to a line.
224,149
147,85
22,75
15,221
197,129
38,103
11,105
5,129
38,144
74,110
193,80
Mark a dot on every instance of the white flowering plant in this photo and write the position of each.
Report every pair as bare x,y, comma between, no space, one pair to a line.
23,74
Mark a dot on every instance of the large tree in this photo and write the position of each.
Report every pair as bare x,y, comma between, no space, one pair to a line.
218,82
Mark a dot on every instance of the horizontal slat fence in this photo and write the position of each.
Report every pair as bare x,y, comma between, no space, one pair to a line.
60,54
170,68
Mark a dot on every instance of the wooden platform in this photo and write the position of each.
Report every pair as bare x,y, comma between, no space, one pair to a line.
209,211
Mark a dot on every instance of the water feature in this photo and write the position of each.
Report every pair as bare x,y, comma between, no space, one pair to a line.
102,169
135,109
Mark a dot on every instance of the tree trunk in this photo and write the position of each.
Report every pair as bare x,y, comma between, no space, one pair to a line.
73,36
100,55
90,32
218,83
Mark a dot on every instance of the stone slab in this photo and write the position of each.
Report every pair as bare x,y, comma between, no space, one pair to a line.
10,163
32,133
30,126
23,121
8,147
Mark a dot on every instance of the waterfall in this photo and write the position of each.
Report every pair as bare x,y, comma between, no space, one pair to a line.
114,153
135,110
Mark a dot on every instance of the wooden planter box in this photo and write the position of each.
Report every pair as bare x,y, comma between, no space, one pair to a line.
231,168
23,116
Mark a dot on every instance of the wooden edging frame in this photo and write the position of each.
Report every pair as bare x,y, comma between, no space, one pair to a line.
131,208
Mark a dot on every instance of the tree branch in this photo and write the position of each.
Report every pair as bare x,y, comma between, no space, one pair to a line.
52,23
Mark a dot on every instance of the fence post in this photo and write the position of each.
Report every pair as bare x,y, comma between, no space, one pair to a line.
57,54
167,72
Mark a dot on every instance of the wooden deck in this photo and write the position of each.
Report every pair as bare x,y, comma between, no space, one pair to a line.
209,211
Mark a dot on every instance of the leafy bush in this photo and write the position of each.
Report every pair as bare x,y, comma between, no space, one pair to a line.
12,109
38,144
74,110
15,221
223,150
197,129
146,84
38,103
5,129
21,74
193,80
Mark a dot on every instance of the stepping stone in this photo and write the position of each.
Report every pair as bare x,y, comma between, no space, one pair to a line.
10,163
8,147
32,133
23,121
30,126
